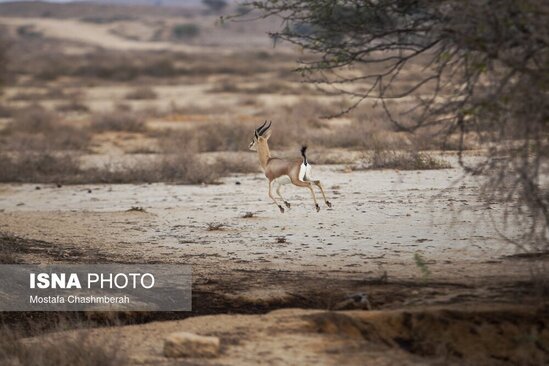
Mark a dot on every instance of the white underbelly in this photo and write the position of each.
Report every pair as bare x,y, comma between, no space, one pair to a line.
282,180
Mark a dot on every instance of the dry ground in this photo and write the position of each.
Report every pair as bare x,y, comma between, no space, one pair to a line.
121,100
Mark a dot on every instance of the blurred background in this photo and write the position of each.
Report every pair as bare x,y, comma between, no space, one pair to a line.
103,92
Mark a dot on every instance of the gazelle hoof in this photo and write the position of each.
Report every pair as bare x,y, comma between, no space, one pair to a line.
317,208
281,209
328,203
287,204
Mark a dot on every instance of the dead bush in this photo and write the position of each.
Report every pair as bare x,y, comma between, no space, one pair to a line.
221,136
182,168
118,121
142,93
42,167
37,129
33,119
74,104
273,87
214,226
228,165
403,160
75,349
188,169
6,111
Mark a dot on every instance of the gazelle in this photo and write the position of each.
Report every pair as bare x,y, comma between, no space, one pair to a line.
281,171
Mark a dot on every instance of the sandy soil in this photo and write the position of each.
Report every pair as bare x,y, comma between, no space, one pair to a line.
380,219
434,336
110,36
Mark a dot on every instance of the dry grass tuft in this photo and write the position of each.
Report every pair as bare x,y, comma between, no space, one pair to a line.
33,119
220,136
136,209
39,167
36,129
78,349
74,104
142,93
118,121
6,111
213,226
403,160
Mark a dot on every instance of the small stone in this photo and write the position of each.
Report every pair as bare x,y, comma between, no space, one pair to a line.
183,344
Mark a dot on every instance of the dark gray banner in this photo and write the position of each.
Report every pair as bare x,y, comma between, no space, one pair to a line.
100,287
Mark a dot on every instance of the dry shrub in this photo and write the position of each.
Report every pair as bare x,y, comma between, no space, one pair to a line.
36,95
272,87
5,111
27,96
183,168
33,120
74,104
37,129
221,136
187,169
111,65
214,226
228,165
142,93
404,160
118,121
42,167
75,349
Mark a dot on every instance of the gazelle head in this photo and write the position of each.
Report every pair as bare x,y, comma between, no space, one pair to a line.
261,135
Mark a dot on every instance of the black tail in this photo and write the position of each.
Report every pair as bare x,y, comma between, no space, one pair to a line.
303,150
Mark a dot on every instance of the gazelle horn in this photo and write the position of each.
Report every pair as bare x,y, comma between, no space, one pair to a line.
265,129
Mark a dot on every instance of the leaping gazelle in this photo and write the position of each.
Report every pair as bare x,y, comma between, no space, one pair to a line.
281,171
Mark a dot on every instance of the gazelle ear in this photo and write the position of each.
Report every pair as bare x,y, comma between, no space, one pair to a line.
267,134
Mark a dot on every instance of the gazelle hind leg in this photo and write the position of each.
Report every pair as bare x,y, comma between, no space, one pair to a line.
319,185
272,197
280,196
306,184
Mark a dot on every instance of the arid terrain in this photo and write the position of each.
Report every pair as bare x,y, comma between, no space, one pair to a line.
123,138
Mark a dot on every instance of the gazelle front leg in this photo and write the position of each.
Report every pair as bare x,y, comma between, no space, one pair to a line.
305,184
317,183
272,197
280,196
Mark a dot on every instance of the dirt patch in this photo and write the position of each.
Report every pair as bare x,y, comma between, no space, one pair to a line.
481,336
15,250
502,335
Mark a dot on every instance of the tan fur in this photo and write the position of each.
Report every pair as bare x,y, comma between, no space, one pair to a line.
275,168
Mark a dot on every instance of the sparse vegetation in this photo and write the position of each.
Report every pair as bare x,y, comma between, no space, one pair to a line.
118,121
211,137
183,168
406,160
142,93
79,349
422,266
36,129
43,167
214,226
185,31
136,209
215,5
74,104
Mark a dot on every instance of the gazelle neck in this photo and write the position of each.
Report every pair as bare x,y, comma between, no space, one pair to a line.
263,153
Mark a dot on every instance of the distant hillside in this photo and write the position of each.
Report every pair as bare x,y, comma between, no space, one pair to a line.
178,3
119,8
